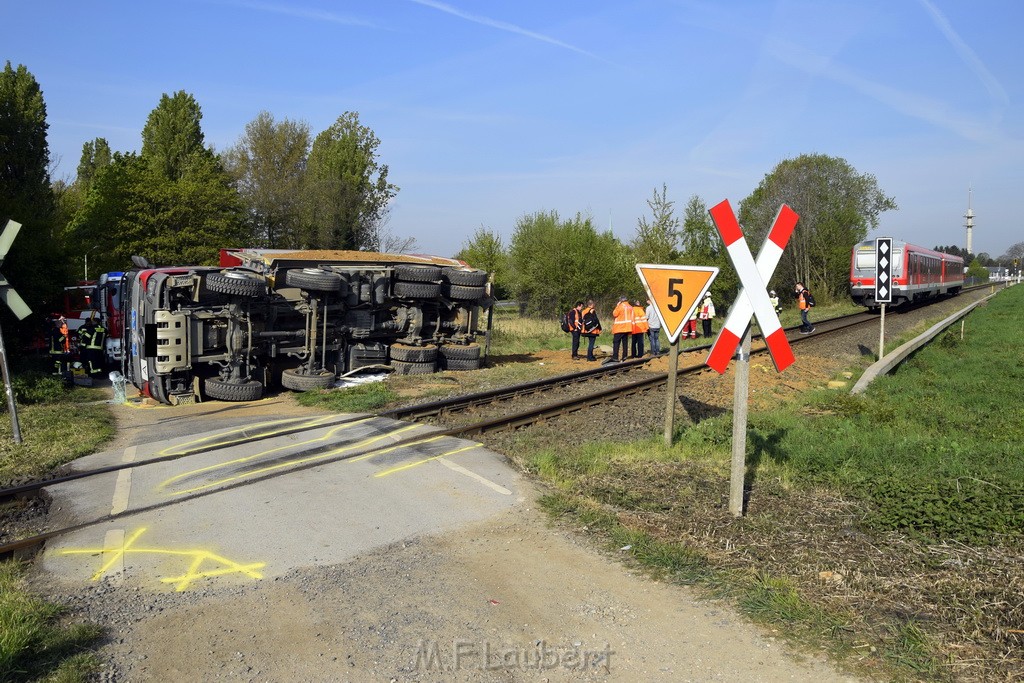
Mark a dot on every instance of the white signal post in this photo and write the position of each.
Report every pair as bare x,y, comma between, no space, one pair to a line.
883,284
21,310
675,292
751,300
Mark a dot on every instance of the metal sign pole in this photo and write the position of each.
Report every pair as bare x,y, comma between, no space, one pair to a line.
11,405
739,427
881,335
670,409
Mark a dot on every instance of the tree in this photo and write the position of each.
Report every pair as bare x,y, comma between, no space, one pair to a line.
485,251
173,207
268,164
703,247
977,271
346,191
1014,253
555,263
837,206
172,135
657,241
95,155
36,265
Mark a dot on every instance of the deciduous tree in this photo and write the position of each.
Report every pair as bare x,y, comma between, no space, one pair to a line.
268,164
173,135
837,207
657,241
485,250
346,190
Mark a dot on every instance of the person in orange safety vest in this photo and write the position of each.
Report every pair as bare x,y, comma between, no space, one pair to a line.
640,328
622,328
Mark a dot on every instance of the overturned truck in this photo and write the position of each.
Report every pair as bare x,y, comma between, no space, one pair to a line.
297,319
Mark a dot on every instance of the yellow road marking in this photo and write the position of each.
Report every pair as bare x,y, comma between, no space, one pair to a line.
425,460
182,449
300,461
247,458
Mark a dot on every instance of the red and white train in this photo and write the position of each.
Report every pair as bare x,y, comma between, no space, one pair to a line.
917,273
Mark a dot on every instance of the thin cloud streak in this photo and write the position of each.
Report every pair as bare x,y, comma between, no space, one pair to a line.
301,13
993,86
505,26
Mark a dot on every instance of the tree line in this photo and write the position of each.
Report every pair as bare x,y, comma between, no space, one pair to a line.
178,201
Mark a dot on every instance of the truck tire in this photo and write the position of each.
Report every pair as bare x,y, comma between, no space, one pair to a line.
463,292
457,351
417,290
313,280
248,390
461,276
404,368
462,364
236,283
417,273
413,354
297,380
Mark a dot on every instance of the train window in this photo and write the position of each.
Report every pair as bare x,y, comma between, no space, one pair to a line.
866,260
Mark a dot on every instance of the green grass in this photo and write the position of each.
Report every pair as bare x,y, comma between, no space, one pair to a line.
34,644
363,398
932,452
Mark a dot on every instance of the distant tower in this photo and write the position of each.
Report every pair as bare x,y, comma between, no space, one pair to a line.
970,222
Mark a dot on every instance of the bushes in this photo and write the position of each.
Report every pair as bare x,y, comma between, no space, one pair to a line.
35,387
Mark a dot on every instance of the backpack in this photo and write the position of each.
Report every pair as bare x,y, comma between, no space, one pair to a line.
565,323
809,298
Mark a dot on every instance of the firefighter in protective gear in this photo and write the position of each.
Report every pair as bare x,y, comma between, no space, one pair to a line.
622,328
640,328
707,314
91,337
60,347
773,299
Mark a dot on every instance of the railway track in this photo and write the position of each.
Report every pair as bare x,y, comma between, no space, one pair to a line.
512,407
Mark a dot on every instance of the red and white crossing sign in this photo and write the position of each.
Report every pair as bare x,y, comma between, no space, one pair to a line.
753,295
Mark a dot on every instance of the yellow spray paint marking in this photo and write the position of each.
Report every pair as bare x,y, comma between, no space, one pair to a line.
185,448
222,565
261,454
313,458
425,460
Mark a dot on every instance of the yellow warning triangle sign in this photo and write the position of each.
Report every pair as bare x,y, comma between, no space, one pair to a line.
675,291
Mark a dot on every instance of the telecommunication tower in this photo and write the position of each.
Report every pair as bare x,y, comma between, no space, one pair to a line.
969,224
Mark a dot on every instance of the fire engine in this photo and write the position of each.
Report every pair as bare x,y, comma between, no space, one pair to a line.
264,318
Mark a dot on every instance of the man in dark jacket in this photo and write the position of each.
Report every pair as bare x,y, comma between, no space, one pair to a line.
591,328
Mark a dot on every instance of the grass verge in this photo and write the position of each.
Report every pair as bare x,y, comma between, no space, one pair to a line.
34,644
886,528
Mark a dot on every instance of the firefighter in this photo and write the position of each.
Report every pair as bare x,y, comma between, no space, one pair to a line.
90,339
622,328
60,347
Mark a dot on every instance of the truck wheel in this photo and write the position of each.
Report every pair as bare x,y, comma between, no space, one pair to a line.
235,283
248,390
417,273
464,293
417,290
313,280
460,276
404,368
296,380
461,364
457,351
413,354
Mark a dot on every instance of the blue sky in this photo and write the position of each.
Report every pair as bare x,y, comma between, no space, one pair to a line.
488,111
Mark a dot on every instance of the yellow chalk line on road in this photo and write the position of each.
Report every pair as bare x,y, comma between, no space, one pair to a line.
287,424
425,460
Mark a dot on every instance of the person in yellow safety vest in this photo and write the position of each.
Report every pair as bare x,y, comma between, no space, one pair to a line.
90,338
622,328
640,328
60,347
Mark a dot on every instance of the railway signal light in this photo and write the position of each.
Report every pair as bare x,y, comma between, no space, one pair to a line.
883,270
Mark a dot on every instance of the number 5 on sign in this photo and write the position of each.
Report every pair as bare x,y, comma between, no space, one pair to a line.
675,292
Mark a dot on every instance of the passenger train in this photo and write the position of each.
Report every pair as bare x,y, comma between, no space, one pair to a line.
917,273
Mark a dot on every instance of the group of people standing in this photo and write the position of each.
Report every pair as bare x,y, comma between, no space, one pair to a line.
91,336
631,322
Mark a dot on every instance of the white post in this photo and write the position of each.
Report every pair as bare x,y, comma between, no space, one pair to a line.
739,427
881,335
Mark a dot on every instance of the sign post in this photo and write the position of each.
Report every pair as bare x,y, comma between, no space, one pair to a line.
675,292
21,310
751,300
883,284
